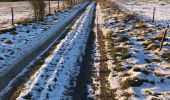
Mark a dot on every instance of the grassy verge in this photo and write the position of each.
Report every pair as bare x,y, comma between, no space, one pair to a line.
106,92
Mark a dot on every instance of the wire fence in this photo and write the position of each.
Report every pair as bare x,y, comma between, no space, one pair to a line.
22,11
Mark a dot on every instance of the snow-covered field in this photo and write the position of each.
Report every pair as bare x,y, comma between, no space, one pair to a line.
27,37
139,70
53,78
22,10
144,9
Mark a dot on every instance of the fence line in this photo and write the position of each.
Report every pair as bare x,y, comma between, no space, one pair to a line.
12,17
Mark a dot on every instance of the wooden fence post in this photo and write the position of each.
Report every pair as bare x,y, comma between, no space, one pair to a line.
35,11
12,13
163,39
154,9
58,5
49,5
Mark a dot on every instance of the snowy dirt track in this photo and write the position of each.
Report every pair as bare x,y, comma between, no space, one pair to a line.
40,38
52,79
28,37
104,53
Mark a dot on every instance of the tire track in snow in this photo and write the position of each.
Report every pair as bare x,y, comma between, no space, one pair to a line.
51,80
16,84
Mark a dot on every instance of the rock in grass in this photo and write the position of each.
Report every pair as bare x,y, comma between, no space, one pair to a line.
7,41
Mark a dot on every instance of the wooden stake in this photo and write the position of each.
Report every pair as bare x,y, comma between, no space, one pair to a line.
163,39
58,5
35,11
154,9
49,5
12,13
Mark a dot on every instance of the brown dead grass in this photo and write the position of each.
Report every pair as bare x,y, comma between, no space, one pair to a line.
104,71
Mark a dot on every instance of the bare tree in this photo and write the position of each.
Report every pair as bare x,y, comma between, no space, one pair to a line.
39,9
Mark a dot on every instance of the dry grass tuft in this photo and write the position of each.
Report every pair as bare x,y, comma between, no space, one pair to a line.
131,82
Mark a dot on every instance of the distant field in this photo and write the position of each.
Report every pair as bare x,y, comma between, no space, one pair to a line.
144,8
22,10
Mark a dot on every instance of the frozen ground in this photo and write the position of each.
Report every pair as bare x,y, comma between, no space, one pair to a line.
22,11
144,8
14,46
